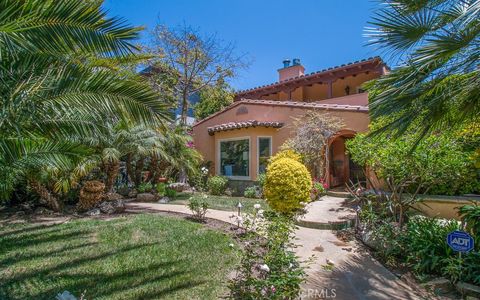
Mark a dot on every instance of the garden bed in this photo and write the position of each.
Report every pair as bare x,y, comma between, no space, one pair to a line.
225,203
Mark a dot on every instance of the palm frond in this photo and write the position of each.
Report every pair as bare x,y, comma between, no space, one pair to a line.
62,26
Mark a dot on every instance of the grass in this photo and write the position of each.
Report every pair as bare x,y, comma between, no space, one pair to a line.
225,203
134,257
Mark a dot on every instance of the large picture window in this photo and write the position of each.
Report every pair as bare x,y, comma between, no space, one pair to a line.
235,157
264,153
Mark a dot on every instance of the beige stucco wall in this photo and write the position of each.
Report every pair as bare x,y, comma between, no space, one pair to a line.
320,91
443,206
207,145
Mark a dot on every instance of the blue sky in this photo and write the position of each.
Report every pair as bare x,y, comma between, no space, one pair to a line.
321,33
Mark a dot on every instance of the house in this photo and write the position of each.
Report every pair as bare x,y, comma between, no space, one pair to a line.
239,139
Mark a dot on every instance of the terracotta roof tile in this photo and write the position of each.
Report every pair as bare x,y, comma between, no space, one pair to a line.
244,124
331,69
306,104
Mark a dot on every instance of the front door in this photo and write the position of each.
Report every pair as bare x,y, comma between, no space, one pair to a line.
356,172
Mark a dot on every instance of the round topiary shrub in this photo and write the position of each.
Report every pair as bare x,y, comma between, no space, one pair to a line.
286,154
288,183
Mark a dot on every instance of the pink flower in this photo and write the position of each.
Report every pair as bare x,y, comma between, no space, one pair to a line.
273,289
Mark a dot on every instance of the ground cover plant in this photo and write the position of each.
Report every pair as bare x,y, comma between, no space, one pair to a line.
134,257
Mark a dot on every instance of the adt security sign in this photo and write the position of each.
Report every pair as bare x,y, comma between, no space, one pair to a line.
460,241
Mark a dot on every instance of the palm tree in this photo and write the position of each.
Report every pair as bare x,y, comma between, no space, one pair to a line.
51,96
437,46
123,140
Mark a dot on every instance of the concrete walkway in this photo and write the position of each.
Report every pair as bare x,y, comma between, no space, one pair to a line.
328,213
355,274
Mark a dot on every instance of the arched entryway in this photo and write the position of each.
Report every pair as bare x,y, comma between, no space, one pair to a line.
341,169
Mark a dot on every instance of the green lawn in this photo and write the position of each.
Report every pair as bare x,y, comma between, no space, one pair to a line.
223,202
135,257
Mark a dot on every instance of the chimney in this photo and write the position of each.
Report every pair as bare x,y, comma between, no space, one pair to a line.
290,71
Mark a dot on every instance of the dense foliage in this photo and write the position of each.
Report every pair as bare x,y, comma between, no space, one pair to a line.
288,183
213,99
421,244
435,44
440,163
73,107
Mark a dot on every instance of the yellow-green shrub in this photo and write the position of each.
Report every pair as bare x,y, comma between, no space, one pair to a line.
288,183
286,154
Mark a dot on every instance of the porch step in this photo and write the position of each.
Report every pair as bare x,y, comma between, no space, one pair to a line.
338,193
337,225
328,213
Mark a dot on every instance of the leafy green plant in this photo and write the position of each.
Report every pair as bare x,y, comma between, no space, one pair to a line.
453,268
425,243
261,179
470,215
145,187
318,189
198,206
250,192
269,268
170,193
161,188
217,185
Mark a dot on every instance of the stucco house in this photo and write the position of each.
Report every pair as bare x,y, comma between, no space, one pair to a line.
239,139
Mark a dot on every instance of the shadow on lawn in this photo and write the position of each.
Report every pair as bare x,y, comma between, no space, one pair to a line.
68,270
123,284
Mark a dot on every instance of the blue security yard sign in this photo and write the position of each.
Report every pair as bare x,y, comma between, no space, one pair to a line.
460,241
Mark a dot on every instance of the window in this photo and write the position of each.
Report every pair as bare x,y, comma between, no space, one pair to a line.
235,157
264,153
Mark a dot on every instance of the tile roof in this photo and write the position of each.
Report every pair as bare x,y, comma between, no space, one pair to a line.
314,105
307,104
312,74
244,124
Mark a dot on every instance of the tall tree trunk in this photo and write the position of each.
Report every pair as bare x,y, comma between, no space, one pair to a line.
128,164
155,169
45,196
139,170
112,170
183,119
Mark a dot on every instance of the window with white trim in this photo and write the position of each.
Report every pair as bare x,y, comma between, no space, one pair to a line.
264,152
235,157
